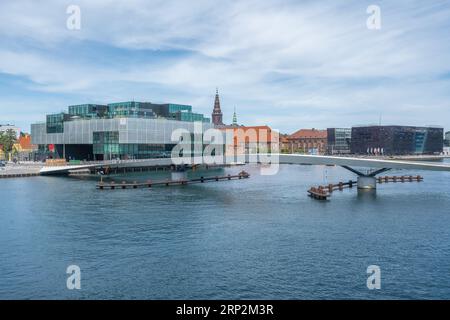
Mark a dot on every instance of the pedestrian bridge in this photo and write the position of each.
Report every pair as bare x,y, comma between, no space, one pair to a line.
360,162
365,179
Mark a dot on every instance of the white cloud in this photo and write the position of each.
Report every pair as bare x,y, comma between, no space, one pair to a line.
297,63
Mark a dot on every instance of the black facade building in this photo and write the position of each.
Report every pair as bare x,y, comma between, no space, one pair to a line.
397,140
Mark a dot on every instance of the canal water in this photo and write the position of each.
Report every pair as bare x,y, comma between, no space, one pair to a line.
260,238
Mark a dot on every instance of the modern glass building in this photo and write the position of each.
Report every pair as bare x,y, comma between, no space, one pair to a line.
447,139
125,130
397,140
88,110
339,140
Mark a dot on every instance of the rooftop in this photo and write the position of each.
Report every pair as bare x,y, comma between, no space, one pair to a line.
309,134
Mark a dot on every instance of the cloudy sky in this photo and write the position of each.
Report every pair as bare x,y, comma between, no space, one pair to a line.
288,64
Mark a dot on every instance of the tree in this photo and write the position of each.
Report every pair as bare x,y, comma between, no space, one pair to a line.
7,140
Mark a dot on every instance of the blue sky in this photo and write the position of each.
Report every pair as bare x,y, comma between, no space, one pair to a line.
287,64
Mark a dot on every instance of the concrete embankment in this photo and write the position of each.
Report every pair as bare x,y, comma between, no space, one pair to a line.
20,170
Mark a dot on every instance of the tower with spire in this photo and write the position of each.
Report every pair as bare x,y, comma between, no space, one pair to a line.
217,116
235,124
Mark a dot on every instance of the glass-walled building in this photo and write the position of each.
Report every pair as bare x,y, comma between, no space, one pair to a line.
339,140
397,140
125,130
447,139
131,109
88,110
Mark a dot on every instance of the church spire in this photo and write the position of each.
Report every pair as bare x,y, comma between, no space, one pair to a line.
217,112
235,118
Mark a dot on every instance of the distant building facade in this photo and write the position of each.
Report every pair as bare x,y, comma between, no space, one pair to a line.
339,140
6,127
125,130
23,150
310,141
447,139
396,140
446,151
285,146
251,139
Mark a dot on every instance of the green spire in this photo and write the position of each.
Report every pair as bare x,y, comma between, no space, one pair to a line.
235,118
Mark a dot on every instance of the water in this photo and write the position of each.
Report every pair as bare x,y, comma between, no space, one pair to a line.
260,238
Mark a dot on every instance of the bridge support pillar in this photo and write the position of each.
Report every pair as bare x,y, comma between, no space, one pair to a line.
178,173
367,183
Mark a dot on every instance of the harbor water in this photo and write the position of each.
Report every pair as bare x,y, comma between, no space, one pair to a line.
257,238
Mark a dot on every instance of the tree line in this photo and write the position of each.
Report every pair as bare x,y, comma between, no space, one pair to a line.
7,140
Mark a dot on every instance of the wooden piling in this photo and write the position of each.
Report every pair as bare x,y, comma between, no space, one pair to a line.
148,184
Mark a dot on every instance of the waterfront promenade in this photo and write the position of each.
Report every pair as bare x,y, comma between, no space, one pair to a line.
21,170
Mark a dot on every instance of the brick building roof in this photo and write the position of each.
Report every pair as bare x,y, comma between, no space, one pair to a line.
25,141
309,134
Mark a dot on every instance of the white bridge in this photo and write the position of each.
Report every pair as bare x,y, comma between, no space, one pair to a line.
365,180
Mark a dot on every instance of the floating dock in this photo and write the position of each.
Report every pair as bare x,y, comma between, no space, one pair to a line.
149,184
402,179
324,192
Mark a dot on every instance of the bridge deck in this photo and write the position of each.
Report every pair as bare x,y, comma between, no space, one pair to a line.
276,158
360,162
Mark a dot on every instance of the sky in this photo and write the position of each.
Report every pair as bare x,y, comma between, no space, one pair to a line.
286,64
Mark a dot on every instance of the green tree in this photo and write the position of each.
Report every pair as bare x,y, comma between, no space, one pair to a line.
7,140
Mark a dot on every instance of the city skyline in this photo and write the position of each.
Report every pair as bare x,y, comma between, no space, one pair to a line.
318,65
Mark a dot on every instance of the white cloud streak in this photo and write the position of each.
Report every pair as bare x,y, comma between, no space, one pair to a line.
288,64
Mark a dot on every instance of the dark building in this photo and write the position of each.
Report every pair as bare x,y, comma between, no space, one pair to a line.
397,140
338,140
217,117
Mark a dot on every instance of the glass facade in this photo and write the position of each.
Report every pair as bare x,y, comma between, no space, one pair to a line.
420,141
447,139
189,116
397,140
130,109
117,138
107,146
106,143
55,123
173,108
88,110
339,140
149,110
118,130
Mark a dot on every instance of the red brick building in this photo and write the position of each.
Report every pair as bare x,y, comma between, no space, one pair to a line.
251,139
311,141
